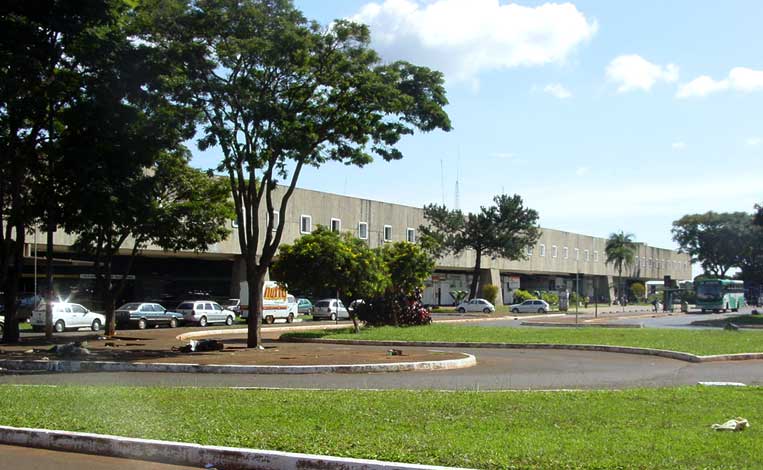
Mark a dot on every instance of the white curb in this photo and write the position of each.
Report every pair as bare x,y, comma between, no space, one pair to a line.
681,356
178,453
105,366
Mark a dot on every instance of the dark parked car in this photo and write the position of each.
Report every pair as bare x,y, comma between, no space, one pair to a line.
145,314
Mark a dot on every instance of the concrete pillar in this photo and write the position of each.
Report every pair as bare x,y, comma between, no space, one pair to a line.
611,288
492,276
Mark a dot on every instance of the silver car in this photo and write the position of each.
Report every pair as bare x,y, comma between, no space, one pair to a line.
204,312
531,306
327,308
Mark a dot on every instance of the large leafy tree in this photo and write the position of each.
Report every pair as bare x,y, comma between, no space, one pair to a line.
327,261
713,239
279,93
503,230
46,49
621,253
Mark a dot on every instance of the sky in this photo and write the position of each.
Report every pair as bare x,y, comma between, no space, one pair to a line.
603,115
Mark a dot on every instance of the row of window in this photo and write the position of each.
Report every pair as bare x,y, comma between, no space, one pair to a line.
651,263
306,226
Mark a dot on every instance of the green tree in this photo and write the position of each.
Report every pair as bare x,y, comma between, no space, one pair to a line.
326,260
408,266
713,239
47,52
638,290
621,253
163,202
503,230
279,93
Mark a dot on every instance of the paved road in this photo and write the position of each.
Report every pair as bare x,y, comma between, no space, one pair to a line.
24,458
496,369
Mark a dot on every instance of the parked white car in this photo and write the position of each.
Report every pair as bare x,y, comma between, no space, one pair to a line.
531,306
67,316
327,308
475,305
204,312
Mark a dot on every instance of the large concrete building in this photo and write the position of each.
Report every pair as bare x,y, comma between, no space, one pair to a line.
560,260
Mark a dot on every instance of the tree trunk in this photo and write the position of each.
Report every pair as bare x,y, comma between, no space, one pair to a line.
49,283
256,282
476,276
11,328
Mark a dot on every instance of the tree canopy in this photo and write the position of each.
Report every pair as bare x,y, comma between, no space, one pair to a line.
715,240
503,230
278,93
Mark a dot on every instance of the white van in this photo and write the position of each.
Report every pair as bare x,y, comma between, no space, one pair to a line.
277,303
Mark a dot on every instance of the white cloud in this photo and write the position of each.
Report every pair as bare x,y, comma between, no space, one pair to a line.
754,141
678,145
558,90
633,72
581,171
464,38
740,79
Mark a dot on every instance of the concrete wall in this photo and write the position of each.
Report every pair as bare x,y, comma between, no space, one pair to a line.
653,263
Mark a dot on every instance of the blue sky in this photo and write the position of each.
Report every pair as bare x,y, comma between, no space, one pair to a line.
604,115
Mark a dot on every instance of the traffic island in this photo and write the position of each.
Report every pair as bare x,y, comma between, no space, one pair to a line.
159,351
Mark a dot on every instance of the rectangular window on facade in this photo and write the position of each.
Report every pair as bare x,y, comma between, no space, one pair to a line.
566,252
410,235
363,230
276,220
387,233
305,224
529,251
587,257
595,256
336,225
577,254
553,251
543,250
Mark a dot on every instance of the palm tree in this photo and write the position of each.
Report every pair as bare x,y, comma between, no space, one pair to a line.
620,252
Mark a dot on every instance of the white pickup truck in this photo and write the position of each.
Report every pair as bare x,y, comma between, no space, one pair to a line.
277,302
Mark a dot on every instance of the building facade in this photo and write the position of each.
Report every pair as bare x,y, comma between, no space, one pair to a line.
560,260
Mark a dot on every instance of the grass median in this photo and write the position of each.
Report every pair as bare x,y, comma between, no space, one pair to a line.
700,342
633,429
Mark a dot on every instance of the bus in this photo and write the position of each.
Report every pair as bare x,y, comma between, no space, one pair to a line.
719,294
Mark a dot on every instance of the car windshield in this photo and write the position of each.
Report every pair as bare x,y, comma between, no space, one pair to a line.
185,306
322,303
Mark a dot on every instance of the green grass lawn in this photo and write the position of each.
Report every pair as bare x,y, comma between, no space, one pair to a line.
633,429
700,342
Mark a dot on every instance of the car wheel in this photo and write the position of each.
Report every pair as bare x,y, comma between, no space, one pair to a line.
540,310
173,322
333,317
514,310
290,318
486,310
270,319
60,326
461,310
229,320
142,324
203,321
96,325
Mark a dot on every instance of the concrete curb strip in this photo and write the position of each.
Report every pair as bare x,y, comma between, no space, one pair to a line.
195,455
104,366
681,356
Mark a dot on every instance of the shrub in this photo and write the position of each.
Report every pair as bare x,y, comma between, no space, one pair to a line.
490,292
522,295
395,310
638,290
551,298
458,296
